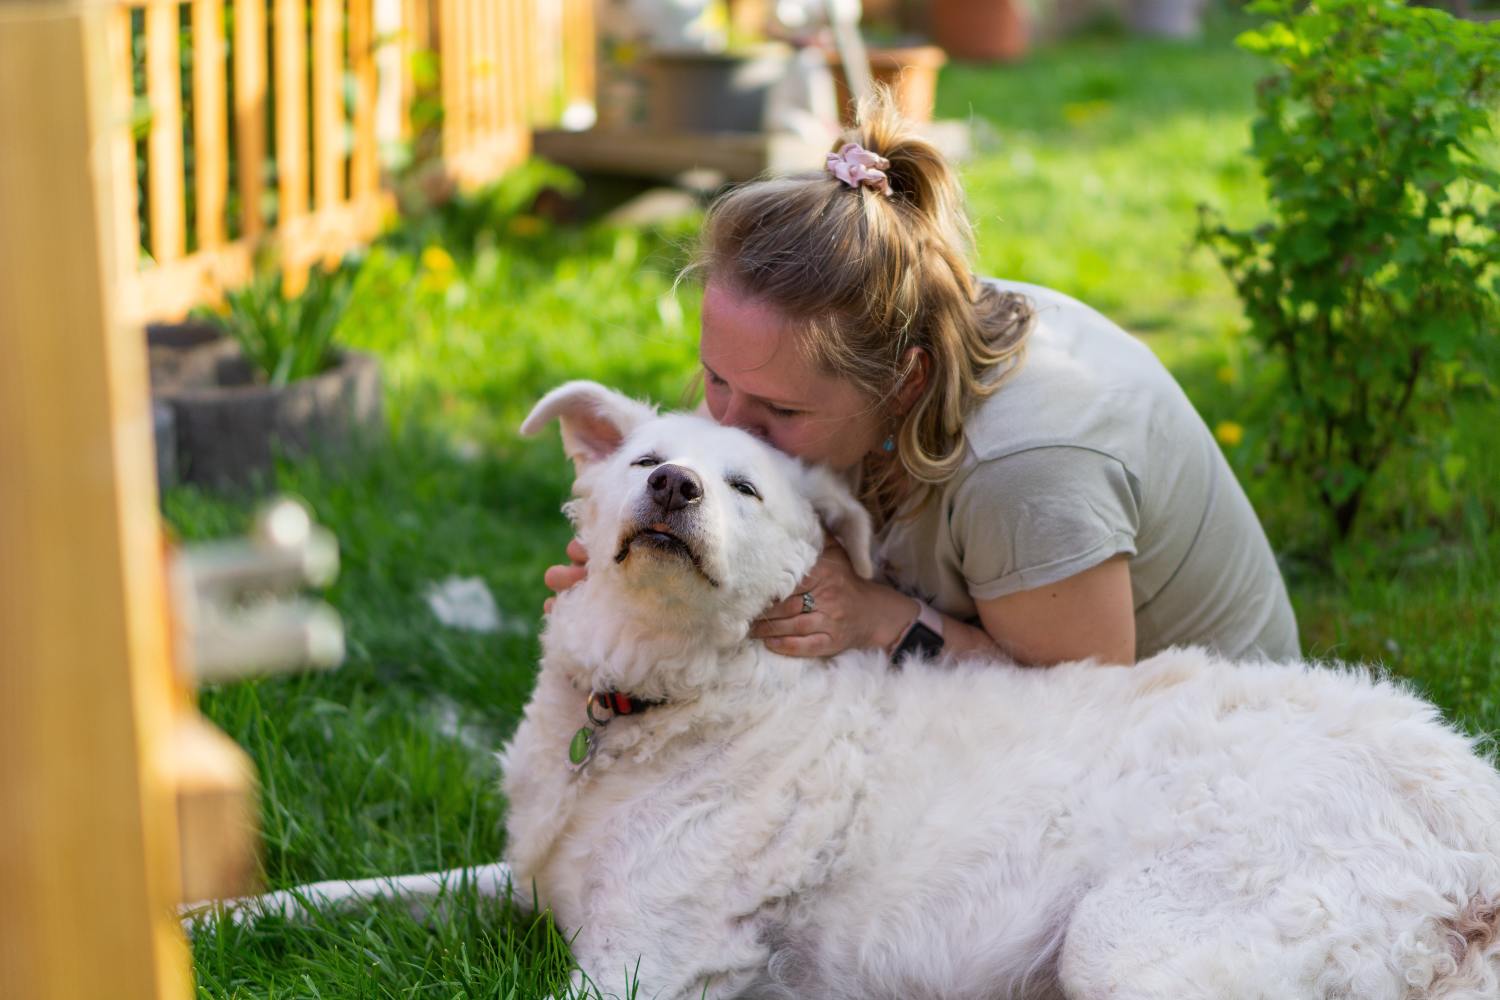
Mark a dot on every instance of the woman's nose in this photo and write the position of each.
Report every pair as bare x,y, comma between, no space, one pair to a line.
738,413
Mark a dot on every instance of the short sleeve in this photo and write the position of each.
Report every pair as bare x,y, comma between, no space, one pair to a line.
1028,519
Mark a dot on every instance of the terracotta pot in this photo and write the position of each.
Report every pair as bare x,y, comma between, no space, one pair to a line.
910,71
981,29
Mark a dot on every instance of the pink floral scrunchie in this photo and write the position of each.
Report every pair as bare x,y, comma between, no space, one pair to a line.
856,166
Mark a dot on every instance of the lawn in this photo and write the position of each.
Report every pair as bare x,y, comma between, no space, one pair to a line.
1092,157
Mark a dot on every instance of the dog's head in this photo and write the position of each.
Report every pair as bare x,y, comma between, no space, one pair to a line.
681,517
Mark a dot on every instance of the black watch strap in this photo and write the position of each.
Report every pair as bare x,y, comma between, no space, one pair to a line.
918,639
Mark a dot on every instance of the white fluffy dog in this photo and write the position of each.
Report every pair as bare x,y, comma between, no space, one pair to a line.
744,824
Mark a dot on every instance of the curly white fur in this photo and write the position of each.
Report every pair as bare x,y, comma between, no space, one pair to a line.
1187,828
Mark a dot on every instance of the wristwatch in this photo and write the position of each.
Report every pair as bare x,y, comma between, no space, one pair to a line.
924,635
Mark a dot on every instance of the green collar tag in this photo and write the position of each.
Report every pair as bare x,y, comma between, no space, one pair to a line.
581,747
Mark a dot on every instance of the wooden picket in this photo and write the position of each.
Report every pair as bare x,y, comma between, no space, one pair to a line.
210,130
249,111
164,165
505,66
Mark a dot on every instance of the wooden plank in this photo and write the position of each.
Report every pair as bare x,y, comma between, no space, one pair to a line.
331,233
509,54
545,81
530,71
364,166
250,111
486,66
527,24
413,19
210,129
581,53
164,184
472,29
487,159
327,102
169,291
450,45
463,51
127,227
88,881
290,67
217,811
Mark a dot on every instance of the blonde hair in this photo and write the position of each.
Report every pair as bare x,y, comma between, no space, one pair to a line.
865,278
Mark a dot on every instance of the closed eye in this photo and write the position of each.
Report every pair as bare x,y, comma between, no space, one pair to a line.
647,461
744,486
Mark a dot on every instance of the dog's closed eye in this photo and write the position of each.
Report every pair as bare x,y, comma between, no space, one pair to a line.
744,486
647,461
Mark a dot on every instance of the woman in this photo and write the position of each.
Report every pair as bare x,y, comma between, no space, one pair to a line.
1038,481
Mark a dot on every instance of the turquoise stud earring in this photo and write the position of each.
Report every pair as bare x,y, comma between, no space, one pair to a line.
889,444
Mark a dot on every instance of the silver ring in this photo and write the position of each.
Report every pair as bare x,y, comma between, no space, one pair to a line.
808,604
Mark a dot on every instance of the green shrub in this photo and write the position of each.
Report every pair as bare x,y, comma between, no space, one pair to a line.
289,337
1374,286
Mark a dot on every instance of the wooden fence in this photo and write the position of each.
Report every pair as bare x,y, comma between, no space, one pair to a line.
262,123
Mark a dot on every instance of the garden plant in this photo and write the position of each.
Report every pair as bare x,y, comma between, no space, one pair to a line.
1376,284
289,336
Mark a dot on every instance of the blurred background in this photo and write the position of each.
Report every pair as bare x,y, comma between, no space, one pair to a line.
365,235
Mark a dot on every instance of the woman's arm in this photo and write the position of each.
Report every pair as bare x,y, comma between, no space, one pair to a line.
1089,614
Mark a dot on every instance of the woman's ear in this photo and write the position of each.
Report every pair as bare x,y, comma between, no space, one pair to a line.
595,420
918,366
844,517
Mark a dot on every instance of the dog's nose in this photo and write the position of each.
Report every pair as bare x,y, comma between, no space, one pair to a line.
673,487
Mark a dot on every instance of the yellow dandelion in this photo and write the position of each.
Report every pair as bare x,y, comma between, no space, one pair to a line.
437,260
1229,433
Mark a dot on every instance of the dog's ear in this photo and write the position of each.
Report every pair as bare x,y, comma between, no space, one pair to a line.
595,420
844,517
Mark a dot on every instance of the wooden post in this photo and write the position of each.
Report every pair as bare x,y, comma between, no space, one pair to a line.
250,110
328,104
122,96
451,46
521,35
415,16
88,823
291,126
164,146
364,162
580,53
210,131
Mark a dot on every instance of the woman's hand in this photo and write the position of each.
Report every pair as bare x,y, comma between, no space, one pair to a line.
560,578
847,612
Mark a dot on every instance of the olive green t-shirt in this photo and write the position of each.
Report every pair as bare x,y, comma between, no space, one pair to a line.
1091,449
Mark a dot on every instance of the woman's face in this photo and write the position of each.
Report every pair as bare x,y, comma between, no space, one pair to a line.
756,378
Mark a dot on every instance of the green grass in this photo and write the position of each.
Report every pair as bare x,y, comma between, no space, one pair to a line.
476,948
1093,159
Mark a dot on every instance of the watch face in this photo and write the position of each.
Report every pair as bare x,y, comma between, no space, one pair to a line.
919,639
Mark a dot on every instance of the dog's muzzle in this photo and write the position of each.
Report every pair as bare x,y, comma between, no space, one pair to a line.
665,519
